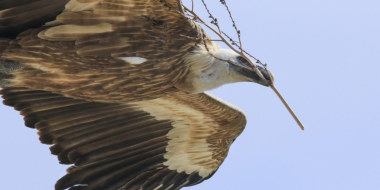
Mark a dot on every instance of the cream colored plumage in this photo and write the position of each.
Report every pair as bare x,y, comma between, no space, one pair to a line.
117,87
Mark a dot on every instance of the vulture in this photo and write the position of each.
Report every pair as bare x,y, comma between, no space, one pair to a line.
117,88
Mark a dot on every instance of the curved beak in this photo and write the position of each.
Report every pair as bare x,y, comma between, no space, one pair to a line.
268,76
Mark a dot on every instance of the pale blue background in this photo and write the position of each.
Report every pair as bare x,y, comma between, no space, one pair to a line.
325,55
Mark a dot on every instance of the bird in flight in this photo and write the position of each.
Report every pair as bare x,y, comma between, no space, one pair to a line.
117,87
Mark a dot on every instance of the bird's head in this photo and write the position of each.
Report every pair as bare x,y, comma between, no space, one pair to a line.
241,69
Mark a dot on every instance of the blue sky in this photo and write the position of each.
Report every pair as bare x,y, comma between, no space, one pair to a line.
325,55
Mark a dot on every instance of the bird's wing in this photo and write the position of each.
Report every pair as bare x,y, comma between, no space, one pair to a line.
100,50
167,143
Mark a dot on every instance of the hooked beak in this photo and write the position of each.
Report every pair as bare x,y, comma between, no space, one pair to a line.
267,74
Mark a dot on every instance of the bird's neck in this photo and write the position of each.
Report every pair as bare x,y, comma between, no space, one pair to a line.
206,72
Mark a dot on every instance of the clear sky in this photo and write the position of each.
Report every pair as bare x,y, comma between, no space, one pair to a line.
325,55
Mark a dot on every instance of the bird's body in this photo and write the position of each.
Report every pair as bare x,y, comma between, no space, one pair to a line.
117,87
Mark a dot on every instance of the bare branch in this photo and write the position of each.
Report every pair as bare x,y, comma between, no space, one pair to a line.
287,107
233,22
226,42
242,52
214,20
235,44
225,60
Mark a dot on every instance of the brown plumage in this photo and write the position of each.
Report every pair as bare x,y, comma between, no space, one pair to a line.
116,87
132,145
87,44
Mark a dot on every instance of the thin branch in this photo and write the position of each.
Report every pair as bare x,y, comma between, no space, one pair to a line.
228,61
235,44
214,20
233,22
287,107
241,53
227,43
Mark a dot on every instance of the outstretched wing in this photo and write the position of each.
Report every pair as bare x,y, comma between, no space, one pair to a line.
167,143
101,50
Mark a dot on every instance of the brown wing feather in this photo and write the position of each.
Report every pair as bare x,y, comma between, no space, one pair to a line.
17,16
90,38
168,143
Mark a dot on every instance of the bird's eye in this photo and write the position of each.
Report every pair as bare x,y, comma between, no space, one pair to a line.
243,62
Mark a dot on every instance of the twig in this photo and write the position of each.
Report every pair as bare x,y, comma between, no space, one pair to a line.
214,20
241,53
230,62
233,22
235,44
287,107
227,43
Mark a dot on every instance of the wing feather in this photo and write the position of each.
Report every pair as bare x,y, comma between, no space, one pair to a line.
89,40
167,143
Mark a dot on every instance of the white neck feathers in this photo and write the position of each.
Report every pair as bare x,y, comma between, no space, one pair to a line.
208,72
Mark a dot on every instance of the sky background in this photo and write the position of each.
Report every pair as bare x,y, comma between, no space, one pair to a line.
325,55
